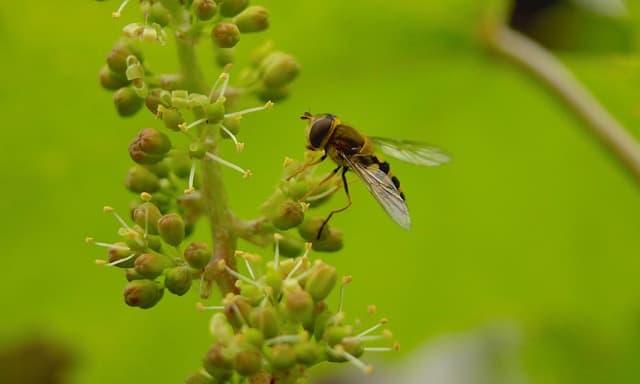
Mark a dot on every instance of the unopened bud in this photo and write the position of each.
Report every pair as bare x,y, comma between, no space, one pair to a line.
281,356
142,293
252,19
118,253
353,346
279,69
150,265
154,99
214,112
198,378
336,333
154,242
147,216
130,274
321,281
140,179
117,57
298,306
218,361
331,243
253,336
158,14
171,228
172,119
266,320
248,360
290,246
197,254
224,56
180,163
274,94
286,215
112,80
230,8
178,280
149,147
311,226
274,279
204,9
225,35
127,101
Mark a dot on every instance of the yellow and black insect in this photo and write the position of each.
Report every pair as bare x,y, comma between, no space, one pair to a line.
351,150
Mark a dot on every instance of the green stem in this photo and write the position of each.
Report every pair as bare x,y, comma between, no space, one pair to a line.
192,75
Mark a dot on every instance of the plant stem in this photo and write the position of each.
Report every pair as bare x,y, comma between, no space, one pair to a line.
550,71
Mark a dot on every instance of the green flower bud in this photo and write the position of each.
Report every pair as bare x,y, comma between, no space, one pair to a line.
331,243
225,35
230,8
147,216
287,215
232,124
171,228
111,80
218,362
274,94
248,360
253,336
178,280
158,14
214,112
311,226
281,356
321,281
260,53
149,147
197,254
290,246
250,292
266,320
172,119
116,254
279,69
274,279
130,274
224,56
204,9
336,333
154,242
198,378
140,179
238,315
197,150
127,101
308,353
220,328
117,57
154,99
180,164
150,265
252,19
143,293
353,346
321,322
298,306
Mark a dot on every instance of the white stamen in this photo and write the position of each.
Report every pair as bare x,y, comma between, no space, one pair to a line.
146,221
366,338
192,175
372,329
253,275
242,277
114,263
117,13
213,157
324,194
378,349
285,339
225,83
238,313
201,307
185,128
223,76
118,217
367,369
276,256
115,247
295,268
268,105
239,145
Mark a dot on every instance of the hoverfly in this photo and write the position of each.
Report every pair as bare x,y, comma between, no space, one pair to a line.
351,150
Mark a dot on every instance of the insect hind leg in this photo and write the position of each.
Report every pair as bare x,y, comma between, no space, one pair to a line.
346,190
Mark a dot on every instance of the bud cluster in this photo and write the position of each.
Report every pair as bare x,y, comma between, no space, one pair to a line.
279,323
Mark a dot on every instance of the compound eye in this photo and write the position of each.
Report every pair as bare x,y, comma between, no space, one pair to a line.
319,131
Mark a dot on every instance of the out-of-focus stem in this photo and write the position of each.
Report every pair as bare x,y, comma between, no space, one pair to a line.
555,75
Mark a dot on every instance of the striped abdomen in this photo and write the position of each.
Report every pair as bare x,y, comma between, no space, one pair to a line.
375,161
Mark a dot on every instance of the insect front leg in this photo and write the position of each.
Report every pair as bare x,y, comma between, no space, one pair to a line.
346,190
307,165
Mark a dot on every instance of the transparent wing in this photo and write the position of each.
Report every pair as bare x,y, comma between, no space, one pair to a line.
412,151
383,190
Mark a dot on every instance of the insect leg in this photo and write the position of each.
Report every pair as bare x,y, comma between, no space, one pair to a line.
315,187
346,190
307,165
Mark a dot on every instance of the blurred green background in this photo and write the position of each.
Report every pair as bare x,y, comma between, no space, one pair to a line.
533,223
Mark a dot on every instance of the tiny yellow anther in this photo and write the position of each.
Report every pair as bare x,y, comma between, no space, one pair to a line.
347,279
200,307
384,320
371,309
277,236
387,333
145,196
305,206
115,15
247,174
368,370
189,191
307,246
269,105
101,262
89,240
107,209
221,264
396,346
240,147
287,161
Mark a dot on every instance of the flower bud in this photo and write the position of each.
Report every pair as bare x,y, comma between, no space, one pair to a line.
321,281
225,35
180,164
150,265
204,9
281,356
149,147
172,119
154,99
111,80
160,169
197,254
336,333
220,328
116,254
266,320
130,274
248,360
298,306
311,226
198,378
142,293
273,279
214,112
232,124
140,179
265,93
224,56
178,280
154,242
117,57
253,336
279,69
230,8
158,14
147,216
250,292
238,315
308,353
127,101
171,228
290,246
354,346
252,19
218,361
331,243
286,215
